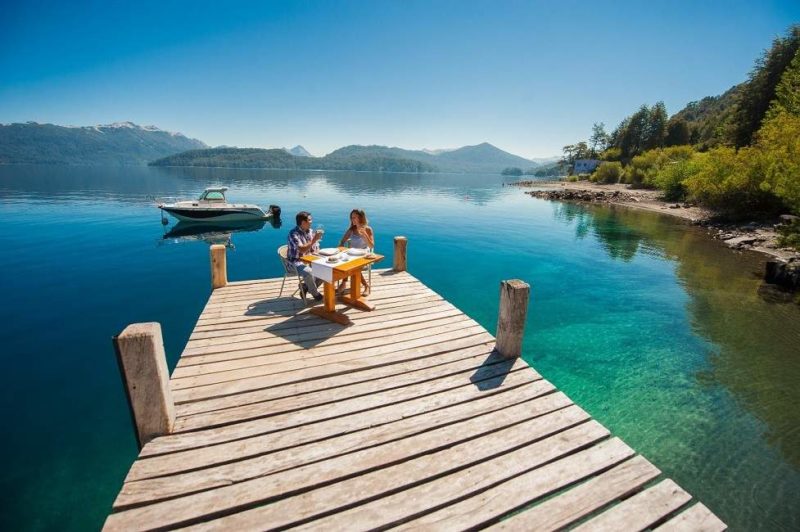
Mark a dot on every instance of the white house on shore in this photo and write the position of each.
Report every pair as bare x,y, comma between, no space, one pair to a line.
586,166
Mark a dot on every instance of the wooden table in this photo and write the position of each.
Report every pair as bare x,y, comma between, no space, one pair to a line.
351,269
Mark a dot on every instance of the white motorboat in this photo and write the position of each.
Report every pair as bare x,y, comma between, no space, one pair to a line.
213,207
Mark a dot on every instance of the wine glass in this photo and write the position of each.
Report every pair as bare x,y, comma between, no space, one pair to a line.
320,230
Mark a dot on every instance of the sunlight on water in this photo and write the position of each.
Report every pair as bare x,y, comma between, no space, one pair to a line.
659,332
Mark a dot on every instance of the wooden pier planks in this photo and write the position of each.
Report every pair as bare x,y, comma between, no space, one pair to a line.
404,419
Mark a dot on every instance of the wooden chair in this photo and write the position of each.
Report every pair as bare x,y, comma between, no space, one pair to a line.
289,269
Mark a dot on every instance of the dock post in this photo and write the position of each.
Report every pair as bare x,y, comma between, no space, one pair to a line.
514,295
219,268
143,366
400,259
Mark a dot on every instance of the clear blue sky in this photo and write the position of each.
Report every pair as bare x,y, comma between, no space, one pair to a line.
528,77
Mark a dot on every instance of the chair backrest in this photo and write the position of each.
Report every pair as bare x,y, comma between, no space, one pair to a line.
282,254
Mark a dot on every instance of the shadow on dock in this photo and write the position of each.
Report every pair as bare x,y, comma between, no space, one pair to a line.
492,372
305,330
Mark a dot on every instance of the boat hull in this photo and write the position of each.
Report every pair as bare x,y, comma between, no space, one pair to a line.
185,214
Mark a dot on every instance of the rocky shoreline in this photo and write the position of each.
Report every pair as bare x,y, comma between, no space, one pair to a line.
783,265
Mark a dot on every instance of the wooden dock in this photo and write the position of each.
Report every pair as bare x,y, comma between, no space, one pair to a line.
405,419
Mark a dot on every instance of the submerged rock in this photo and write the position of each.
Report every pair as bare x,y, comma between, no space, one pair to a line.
783,273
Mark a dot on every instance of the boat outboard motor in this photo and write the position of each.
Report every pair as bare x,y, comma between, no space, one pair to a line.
275,211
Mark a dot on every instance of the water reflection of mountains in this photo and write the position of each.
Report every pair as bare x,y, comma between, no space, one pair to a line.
213,233
138,184
477,188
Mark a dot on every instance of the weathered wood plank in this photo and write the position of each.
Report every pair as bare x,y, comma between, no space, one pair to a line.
317,333
489,506
338,381
407,418
273,290
424,436
394,312
244,412
349,434
244,494
301,315
641,510
304,321
271,363
245,356
379,512
266,298
486,471
298,308
698,518
289,304
580,501
331,366
431,391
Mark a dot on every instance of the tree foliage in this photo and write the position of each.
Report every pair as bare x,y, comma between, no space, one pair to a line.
608,172
572,153
599,139
644,130
277,158
760,89
787,93
677,133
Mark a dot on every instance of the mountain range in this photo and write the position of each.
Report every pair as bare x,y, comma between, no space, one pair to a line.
125,143
118,144
482,158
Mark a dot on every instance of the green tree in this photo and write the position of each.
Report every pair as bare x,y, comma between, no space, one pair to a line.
608,172
573,152
655,129
643,130
677,132
759,91
599,140
787,93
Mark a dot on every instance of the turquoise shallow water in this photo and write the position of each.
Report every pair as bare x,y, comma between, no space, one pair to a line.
662,334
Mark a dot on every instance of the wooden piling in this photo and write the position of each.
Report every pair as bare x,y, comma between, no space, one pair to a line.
143,365
400,259
514,295
219,268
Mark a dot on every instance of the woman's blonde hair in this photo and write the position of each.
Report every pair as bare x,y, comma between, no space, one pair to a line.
361,215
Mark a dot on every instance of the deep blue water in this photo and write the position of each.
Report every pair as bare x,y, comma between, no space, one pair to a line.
661,333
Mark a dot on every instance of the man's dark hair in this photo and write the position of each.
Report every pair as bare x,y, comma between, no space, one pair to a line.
302,216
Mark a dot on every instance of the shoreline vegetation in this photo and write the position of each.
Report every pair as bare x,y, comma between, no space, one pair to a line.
761,236
735,156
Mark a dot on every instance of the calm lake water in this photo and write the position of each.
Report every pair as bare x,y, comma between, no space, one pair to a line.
661,333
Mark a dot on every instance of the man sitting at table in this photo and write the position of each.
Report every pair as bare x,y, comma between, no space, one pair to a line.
302,242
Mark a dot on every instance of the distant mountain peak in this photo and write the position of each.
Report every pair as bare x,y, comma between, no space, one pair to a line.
118,143
298,151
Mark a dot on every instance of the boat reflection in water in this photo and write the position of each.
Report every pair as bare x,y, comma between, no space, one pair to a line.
211,233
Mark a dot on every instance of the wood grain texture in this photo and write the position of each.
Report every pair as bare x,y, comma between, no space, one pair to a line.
408,417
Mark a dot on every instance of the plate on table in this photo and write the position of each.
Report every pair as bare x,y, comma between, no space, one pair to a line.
333,259
327,252
357,252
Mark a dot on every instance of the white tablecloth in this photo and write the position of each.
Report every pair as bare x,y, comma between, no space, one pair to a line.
322,269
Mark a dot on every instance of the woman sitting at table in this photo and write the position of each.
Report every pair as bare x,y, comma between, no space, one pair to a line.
359,235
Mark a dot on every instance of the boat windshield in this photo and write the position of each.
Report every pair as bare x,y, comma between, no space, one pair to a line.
212,195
